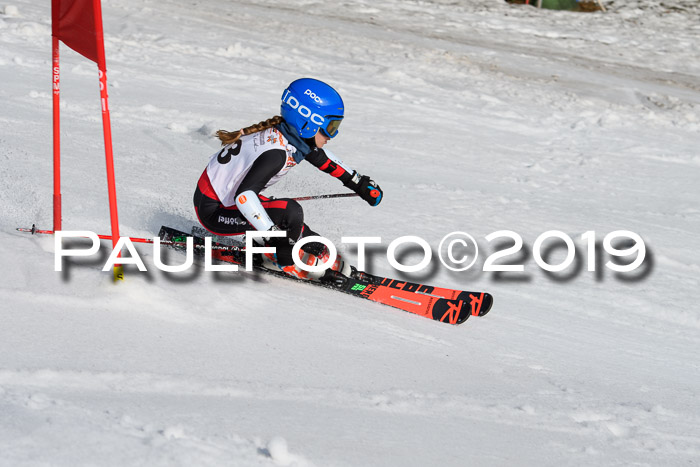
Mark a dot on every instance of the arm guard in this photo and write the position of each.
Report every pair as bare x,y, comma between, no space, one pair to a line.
329,163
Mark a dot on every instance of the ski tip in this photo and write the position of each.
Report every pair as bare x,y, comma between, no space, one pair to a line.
486,301
486,304
471,304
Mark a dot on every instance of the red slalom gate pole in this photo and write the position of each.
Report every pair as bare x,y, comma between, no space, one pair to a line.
34,231
56,135
107,129
115,237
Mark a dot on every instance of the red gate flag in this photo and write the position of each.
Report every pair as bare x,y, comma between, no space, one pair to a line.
73,23
78,24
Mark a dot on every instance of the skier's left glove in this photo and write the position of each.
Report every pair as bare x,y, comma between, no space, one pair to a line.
366,188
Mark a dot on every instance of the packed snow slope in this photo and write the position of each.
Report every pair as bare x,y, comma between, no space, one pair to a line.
473,116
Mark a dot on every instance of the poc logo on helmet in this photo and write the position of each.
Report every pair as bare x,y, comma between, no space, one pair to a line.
313,96
303,110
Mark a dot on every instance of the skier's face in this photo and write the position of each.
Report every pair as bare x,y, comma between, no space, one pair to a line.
320,139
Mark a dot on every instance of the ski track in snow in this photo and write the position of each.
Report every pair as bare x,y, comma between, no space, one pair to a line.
474,116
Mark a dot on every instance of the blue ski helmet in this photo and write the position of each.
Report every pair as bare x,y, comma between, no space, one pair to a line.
309,105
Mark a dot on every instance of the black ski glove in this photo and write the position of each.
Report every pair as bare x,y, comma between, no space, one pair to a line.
365,187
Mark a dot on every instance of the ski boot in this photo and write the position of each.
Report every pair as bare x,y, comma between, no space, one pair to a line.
311,254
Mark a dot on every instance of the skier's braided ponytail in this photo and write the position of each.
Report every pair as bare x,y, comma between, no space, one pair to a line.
230,137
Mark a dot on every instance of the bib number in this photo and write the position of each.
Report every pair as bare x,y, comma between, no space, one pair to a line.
231,152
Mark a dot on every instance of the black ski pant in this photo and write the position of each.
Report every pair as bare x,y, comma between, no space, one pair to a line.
286,213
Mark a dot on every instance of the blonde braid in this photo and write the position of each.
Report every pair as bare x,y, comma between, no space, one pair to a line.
230,137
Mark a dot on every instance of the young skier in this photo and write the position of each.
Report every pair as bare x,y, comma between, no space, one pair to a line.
228,201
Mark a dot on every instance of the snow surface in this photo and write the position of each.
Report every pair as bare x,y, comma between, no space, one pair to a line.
472,115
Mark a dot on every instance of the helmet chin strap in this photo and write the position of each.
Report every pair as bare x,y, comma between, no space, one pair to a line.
311,141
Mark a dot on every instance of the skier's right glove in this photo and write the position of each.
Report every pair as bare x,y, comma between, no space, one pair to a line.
366,188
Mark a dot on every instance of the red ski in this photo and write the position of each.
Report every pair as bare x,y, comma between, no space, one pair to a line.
440,304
